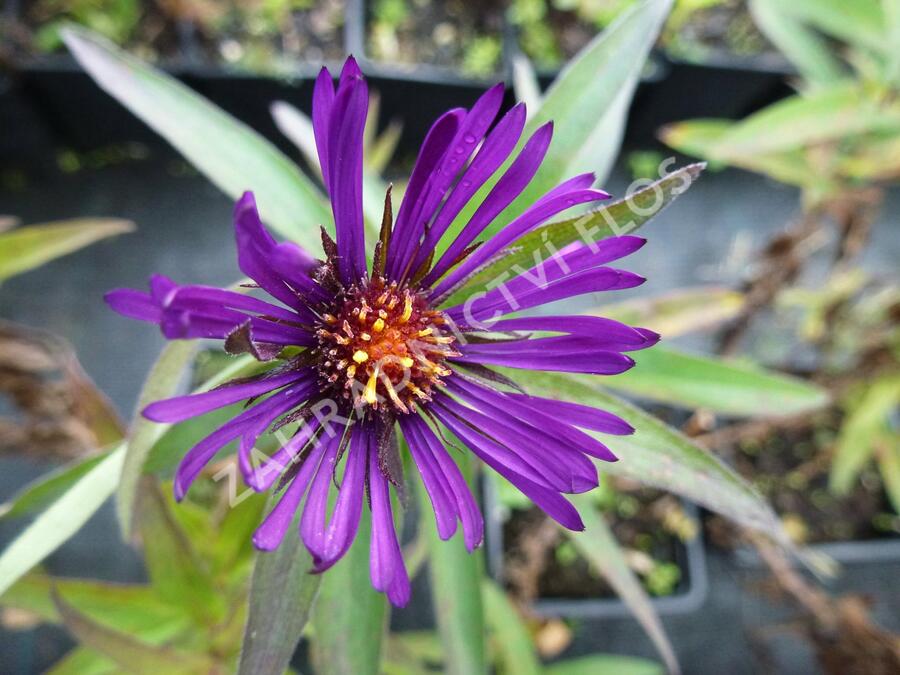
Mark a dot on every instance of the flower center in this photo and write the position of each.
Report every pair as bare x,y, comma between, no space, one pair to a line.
382,346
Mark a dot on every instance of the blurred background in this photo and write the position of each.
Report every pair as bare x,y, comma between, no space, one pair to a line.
785,254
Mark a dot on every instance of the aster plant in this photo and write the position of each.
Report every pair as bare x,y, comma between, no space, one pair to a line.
367,370
363,351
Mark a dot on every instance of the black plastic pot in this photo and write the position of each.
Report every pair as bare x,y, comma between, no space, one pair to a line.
75,112
690,557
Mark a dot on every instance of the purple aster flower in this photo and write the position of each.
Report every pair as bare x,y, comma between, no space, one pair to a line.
359,354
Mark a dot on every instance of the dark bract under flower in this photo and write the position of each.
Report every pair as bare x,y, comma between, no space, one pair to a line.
359,353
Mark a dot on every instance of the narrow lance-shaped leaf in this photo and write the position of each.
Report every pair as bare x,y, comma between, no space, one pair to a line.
349,617
678,312
599,546
61,520
175,568
68,513
659,456
26,248
130,653
821,116
228,152
282,592
456,577
511,640
593,92
622,216
161,382
44,490
588,104
132,608
806,49
731,388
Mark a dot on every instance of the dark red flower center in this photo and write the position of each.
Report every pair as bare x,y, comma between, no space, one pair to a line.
382,346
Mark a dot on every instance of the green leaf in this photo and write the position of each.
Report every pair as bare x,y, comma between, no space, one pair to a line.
866,421
83,661
61,520
132,608
512,643
731,388
456,583
349,617
679,312
130,653
282,592
162,382
889,465
620,217
659,456
809,52
525,83
228,152
598,545
176,571
26,248
825,115
860,23
605,664
44,490
588,103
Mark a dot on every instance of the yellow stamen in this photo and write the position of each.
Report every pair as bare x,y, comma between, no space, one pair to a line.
369,393
407,310
406,362
427,331
365,336
360,356
351,371
378,326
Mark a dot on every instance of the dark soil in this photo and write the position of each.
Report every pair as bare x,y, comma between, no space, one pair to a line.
462,35
251,35
540,562
725,28
790,467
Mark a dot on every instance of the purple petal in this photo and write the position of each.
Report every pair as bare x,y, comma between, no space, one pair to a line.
481,310
443,501
495,150
270,533
255,246
578,415
199,456
345,150
602,332
133,304
386,566
510,186
323,101
438,138
563,445
184,407
312,522
558,434
531,218
506,444
467,508
471,131
260,472
581,360
345,518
